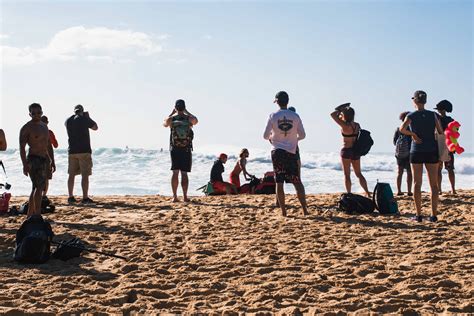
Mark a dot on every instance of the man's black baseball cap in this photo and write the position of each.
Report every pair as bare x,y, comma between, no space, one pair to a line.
282,97
78,108
180,105
444,105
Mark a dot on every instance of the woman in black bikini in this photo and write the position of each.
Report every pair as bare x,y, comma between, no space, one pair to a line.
344,117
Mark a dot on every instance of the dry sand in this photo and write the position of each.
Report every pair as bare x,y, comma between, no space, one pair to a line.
237,254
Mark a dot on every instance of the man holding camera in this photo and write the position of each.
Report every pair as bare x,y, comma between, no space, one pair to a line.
181,145
80,152
40,159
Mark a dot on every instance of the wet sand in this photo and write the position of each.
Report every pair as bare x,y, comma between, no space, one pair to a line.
237,254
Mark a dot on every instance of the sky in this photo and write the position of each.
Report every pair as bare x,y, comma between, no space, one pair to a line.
127,63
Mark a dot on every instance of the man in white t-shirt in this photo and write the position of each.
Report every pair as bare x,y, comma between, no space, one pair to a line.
284,130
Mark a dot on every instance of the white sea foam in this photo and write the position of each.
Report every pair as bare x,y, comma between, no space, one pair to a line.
141,171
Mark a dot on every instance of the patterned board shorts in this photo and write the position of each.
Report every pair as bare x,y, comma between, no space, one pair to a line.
285,166
40,169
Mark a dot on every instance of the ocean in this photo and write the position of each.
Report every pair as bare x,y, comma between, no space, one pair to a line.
147,172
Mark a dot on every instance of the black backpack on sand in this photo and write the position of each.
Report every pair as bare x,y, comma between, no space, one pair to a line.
33,240
355,204
363,143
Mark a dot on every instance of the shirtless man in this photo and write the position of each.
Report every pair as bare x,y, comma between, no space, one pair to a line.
40,159
3,141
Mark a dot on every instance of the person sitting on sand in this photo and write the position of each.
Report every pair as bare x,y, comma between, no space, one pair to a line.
3,141
54,143
217,181
343,115
423,151
240,167
402,153
443,107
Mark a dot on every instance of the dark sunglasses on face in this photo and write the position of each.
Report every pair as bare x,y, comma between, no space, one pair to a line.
36,113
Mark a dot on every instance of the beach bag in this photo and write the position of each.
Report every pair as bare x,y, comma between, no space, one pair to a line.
443,151
267,185
68,250
4,202
402,146
181,134
363,143
33,240
384,200
46,206
355,204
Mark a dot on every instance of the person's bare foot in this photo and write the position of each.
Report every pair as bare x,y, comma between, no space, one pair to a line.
186,199
454,192
305,213
283,213
368,194
175,199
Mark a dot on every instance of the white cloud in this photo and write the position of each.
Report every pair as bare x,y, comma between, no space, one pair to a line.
91,44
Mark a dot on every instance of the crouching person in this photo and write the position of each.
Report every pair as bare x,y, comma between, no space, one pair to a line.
218,184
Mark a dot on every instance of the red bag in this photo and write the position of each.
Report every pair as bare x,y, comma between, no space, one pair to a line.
4,202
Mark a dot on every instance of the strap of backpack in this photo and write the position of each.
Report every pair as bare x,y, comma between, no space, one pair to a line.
374,199
3,167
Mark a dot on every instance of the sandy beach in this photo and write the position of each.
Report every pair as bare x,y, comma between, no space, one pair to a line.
237,254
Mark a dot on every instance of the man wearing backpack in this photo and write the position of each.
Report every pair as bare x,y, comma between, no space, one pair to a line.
402,153
180,121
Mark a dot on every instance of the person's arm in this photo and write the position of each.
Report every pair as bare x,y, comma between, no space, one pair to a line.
335,117
405,131
301,132
51,156
23,142
192,118
53,139
3,141
439,128
92,124
167,121
243,165
268,130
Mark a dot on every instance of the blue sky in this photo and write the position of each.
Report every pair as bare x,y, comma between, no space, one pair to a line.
128,62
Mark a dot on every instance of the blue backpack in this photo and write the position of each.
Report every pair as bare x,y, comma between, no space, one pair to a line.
384,200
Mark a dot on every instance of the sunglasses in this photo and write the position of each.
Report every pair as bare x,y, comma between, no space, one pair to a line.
36,112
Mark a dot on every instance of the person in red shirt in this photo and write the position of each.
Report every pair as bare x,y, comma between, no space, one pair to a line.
55,144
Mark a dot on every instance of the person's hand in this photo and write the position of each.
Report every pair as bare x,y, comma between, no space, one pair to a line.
86,114
26,170
172,113
416,139
53,167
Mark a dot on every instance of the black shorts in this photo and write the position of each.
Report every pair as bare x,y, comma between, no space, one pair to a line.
348,153
181,159
285,166
40,168
404,162
424,157
449,165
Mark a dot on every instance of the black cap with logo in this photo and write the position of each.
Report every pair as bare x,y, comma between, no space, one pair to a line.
419,96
